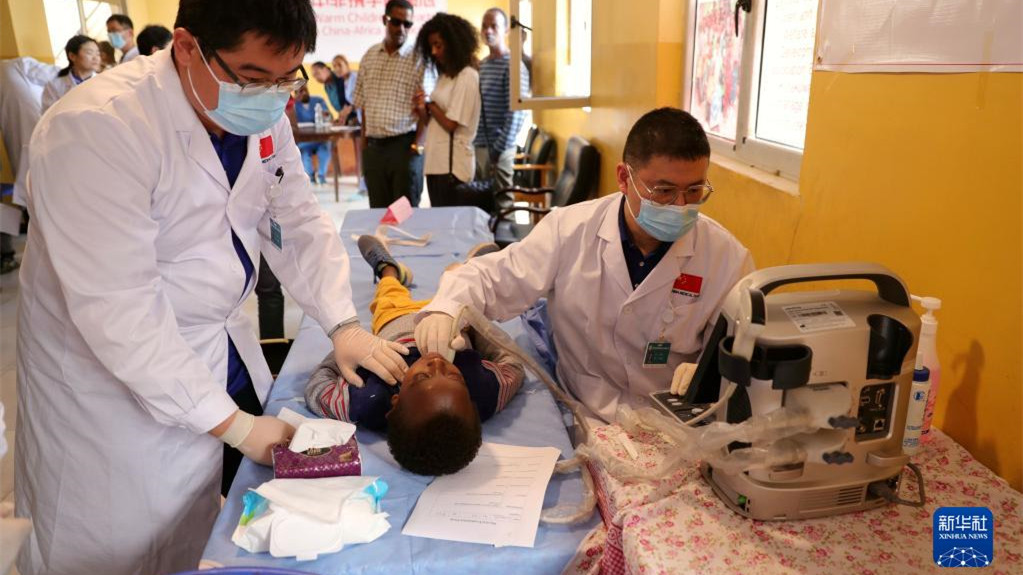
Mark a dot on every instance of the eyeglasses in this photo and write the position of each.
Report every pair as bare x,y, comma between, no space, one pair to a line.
665,195
261,87
391,20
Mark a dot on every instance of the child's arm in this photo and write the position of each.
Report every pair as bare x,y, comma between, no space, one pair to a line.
505,366
326,394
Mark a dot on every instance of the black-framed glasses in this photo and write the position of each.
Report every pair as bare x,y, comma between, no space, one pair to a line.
260,87
392,21
664,195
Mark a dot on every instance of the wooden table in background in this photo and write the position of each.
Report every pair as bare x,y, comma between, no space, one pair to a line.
331,134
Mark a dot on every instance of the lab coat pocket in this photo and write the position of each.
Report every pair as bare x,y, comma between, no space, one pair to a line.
686,327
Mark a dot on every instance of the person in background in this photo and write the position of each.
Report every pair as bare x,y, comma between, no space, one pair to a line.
121,32
305,112
22,81
449,43
339,65
495,142
153,38
390,74
83,63
106,55
339,83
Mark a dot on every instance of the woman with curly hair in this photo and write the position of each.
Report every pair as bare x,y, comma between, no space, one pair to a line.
449,43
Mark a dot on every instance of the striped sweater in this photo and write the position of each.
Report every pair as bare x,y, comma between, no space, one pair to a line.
492,375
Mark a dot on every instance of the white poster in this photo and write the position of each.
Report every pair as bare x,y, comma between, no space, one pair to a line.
920,36
350,27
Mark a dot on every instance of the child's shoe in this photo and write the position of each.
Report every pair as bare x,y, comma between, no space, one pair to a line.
376,255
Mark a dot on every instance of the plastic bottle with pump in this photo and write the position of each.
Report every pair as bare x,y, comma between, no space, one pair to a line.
918,399
928,347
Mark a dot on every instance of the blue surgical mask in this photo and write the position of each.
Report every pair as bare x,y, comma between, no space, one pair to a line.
242,114
116,40
666,223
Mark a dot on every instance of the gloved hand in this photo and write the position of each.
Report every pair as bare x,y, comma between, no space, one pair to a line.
433,334
256,436
354,346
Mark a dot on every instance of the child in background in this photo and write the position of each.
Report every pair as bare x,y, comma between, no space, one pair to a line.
432,417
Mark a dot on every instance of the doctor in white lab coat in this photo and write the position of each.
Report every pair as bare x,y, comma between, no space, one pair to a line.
634,280
132,285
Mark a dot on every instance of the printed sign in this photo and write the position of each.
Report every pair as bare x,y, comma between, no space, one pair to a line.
963,537
350,27
823,316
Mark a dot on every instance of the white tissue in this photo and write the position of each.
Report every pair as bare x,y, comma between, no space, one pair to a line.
321,499
311,433
311,517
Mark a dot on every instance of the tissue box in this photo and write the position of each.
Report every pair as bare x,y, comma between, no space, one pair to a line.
323,462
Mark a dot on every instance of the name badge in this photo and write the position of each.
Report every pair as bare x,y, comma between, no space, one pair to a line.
276,237
656,354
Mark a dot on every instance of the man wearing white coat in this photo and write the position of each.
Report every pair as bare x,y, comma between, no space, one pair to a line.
152,190
633,280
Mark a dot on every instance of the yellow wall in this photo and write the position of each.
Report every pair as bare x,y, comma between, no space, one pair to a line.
920,172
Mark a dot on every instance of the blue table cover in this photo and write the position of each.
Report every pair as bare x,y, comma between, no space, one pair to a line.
531,419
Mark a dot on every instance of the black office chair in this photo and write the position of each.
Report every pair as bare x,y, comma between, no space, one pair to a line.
539,161
520,156
577,183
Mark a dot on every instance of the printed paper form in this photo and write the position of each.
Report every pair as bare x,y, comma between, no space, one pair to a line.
495,500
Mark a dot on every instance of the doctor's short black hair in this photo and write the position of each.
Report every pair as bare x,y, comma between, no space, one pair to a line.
290,25
121,19
444,444
665,132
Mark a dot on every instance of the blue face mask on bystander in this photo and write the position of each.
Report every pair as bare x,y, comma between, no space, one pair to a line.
116,40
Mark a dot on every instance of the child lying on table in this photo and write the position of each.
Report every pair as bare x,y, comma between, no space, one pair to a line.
432,416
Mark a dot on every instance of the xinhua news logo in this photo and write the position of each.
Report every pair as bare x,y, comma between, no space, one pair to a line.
964,537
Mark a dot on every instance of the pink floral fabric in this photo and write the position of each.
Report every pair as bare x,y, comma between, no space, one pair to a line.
678,525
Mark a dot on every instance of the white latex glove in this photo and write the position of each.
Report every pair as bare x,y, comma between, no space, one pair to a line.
354,346
256,436
433,334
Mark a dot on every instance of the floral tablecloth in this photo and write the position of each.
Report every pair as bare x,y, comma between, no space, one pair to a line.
678,525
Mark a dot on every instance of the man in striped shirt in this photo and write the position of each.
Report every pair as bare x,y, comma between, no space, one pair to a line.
390,74
432,417
495,142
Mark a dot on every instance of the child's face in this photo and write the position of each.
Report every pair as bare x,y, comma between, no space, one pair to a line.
433,384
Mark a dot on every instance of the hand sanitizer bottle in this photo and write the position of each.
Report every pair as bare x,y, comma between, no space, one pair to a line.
929,348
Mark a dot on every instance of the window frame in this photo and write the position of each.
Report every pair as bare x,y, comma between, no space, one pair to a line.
530,102
778,159
116,7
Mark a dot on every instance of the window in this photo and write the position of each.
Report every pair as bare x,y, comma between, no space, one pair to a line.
66,18
553,38
750,90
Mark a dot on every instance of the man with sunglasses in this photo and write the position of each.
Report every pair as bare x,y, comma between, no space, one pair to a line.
152,194
390,74
633,280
